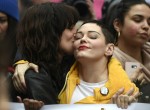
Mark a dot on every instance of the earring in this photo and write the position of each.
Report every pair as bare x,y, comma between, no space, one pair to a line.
118,34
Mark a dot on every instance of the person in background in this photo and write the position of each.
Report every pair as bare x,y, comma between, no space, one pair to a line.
9,17
43,42
23,6
84,8
130,23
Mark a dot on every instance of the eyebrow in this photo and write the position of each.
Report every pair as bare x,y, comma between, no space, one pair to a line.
138,15
3,17
95,32
89,32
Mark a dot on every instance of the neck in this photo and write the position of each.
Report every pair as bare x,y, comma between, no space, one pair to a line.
131,50
93,72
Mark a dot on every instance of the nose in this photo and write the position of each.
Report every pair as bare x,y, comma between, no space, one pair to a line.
146,26
83,39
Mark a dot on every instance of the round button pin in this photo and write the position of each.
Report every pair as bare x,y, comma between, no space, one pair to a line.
104,90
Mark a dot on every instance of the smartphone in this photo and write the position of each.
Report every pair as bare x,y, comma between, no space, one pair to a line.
130,67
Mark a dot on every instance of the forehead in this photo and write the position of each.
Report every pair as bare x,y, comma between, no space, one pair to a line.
3,14
140,9
90,27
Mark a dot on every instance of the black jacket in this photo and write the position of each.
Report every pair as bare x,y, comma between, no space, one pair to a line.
42,86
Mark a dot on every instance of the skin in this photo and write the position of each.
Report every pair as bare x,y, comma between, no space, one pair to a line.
67,39
136,26
84,47
4,105
134,33
3,25
66,46
90,48
93,39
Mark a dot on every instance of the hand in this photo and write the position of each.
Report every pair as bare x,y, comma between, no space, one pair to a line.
123,101
18,77
139,76
91,8
30,104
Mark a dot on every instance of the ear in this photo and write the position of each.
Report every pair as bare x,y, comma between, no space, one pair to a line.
109,49
117,25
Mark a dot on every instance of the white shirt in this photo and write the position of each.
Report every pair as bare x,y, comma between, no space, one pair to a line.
85,89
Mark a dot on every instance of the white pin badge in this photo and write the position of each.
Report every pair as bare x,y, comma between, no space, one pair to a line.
104,90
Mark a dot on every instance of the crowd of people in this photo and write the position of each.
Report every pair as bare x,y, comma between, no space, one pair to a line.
72,52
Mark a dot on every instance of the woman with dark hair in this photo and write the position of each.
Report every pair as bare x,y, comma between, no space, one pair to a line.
9,16
130,24
45,38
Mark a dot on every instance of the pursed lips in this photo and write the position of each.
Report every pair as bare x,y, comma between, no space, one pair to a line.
144,35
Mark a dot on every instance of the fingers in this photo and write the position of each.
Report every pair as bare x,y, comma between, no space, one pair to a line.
115,96
19,99
143,82
31,104
34,67
134,97
140,77
123,101
18,80
130,92
146,78
18,77
17,85
134,76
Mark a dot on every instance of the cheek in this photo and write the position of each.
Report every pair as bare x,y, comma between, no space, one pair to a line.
99,45
75,44
131,30
3,27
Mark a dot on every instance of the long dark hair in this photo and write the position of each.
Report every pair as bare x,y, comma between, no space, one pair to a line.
8,45
40,31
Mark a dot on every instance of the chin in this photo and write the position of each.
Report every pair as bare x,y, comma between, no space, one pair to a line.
81,57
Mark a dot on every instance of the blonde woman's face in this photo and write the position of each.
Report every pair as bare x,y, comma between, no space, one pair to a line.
3,25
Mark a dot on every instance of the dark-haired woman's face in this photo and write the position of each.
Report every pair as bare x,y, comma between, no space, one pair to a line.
67,38
136,27
3,25
90,43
